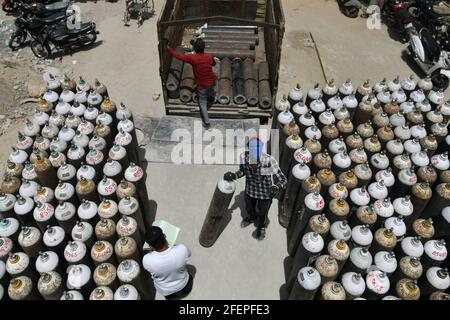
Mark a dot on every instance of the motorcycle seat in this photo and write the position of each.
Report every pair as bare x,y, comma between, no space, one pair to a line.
57,6
56,17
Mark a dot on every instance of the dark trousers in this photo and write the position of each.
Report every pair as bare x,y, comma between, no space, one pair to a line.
258,210
205,98
183,292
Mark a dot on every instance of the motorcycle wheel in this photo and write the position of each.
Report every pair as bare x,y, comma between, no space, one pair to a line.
17,40
440,81
89,39
40,50
9,7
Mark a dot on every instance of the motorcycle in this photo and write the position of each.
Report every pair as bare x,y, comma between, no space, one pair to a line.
10,6
351,8
33,27
63,38
428,55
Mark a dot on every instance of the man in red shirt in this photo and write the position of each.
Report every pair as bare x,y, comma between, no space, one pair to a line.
202,64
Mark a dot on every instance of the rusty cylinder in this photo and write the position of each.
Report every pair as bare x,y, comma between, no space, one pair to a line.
224,82
238,81
188,83
174,77
250,82
265,94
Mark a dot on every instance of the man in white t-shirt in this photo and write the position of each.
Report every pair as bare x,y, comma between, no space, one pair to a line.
167,265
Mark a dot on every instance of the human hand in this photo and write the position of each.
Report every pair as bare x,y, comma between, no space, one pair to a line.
274,191
230,176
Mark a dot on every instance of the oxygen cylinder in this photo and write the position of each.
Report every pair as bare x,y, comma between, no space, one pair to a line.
57,120
408,267
427,174
364,215
136,175
98,143
304,121
306,285
330,90
96,159
125,189
24,143
329,133
94,99
80,278
10,185
313,94
10,228
335,103
406,178
126,248
313,146
325,118
439,200
435,279
87,211
349,180
7,204
87,172
29,173
19,264
377,285
409,246
30,239
78,107
439,295
441,162
339,251
363,173
14,169
378,190
67,173
326,178
126,292
22,288
45,172
364,90
75,155
106,230
364,110
298,173
407,289
84,232
359,261
338,210
422,228
361,236
358,156
108,210
113,169
102,294
125,140
44,215
435,252
103,252
55,239
123,112
332,290
339,230
341,162
85,127
310,246
129,272
81,140
50,285
76,252
106,275
384,240
106,189
327,268
49,261
128,227
445,176
86,190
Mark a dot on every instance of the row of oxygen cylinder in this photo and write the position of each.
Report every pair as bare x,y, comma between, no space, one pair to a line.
72,204
367,204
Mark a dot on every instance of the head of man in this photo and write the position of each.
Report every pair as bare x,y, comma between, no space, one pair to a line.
156,238
255,149
198,45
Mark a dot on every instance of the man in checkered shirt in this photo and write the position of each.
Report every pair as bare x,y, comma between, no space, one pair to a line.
258,168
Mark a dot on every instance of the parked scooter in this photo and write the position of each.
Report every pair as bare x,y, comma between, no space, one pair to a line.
429,56
63,38
33,27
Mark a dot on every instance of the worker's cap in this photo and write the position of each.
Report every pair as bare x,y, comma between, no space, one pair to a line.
155,237
255,148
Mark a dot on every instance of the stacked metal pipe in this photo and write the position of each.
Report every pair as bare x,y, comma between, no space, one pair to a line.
71,224
367,206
